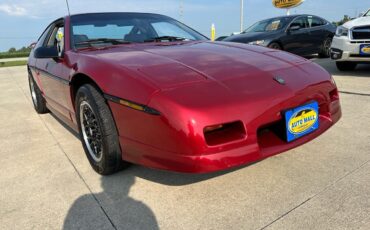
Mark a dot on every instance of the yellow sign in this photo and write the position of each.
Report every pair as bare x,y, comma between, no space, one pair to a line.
286,3
213,32
302,121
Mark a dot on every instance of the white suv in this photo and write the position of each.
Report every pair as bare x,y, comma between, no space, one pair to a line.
351,44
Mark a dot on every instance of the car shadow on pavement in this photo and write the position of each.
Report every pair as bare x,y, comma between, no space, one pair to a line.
173,178
362,70
116,210
160,176
113,208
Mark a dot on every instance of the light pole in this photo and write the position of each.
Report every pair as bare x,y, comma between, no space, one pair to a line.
241,15
181,11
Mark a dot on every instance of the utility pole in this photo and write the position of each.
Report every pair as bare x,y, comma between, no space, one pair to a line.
181,11
241,15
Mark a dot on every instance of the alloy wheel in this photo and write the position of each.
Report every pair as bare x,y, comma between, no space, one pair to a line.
33,92
91,131
275,46
327,46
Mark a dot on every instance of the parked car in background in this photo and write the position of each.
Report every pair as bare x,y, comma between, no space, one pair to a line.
351,44
221,38
298,34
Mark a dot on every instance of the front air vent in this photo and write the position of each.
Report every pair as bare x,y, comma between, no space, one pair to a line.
224,133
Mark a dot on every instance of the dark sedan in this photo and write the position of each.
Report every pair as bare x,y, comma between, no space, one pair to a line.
298,34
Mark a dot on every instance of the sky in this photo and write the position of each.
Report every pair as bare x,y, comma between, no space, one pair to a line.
22,21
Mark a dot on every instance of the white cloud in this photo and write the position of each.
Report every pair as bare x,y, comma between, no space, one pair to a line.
13,10
51,9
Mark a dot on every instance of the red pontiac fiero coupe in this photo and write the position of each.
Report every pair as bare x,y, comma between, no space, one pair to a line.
146,89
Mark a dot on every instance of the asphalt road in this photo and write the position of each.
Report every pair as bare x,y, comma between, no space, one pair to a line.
47,183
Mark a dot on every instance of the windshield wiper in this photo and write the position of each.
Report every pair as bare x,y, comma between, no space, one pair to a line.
166,38
103,40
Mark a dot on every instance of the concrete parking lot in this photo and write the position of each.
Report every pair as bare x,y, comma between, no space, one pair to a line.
46,181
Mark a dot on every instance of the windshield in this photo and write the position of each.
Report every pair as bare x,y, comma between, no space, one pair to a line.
367,14
268,25
94,30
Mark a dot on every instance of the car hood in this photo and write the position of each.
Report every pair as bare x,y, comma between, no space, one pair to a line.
362,21
168,65
250,37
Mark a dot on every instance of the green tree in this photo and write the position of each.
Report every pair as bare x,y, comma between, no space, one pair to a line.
23,49
345,19
12,50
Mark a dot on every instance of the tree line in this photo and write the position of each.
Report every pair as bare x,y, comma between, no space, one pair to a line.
14,53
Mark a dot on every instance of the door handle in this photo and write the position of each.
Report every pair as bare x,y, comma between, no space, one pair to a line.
47,65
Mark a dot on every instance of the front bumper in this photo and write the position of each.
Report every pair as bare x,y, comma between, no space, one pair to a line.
344,49
157,158
260,143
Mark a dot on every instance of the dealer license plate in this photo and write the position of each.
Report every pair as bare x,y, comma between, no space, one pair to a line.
301,121
365,49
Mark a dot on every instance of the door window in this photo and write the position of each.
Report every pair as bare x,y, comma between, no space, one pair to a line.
315,21
44,37
301,22
57,39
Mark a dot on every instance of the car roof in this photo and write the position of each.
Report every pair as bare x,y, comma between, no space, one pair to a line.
291,16
126,13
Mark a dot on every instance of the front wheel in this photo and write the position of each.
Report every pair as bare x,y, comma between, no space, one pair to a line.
275,46
346,66
325,48
98,131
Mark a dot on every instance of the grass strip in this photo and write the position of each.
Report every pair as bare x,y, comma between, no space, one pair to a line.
12,63
14,55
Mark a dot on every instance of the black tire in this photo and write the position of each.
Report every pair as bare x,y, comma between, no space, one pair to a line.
106,158
346,66
325,48
275,46
38,100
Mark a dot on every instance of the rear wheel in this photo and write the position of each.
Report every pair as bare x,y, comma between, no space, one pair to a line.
98,131
38,100
275,46
325,48
346,66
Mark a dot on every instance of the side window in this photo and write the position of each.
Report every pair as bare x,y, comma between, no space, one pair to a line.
43,37
315,22
57,39
301,22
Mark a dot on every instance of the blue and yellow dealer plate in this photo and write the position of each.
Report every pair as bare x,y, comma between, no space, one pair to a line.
365,49
301,121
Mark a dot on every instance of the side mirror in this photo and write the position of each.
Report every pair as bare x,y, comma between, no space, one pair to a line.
294,28
46,52
33,44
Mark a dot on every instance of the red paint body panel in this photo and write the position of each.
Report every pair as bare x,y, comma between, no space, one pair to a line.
195,85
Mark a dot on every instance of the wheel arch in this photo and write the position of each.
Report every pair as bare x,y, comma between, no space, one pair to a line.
278,42
330,36
77,81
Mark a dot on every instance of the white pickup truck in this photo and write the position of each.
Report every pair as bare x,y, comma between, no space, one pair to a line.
351,43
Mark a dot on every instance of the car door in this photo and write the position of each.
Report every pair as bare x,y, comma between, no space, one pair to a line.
51,72
296,39
317,32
